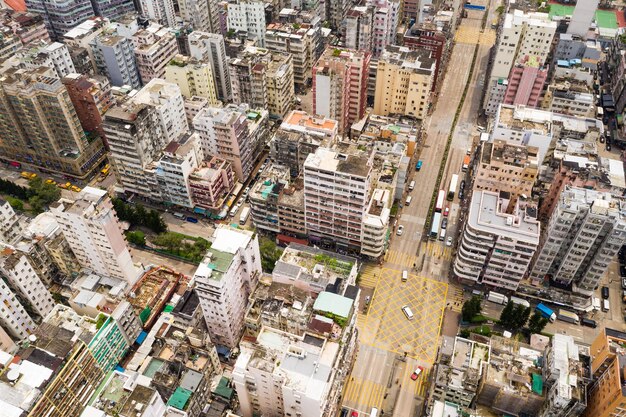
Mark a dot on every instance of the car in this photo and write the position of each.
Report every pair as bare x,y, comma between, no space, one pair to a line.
354,414
605,292
400,230
75,189
608,146
416,373
622,271
446,211
623,283
419,164
449,241
462,184
65,186
461,194
601,139
444,223
51,181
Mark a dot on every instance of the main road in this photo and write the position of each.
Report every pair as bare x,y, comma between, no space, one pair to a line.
392,346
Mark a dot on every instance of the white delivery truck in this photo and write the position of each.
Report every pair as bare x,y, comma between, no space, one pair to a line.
497,298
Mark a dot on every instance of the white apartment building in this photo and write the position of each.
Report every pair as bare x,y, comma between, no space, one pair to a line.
585,231
404,79
155,47
496,243
248,16
521,125
209,47
386,16
172,172
161,11
22,276
54,55
167,99
225,279
13,317
376,224
10,227
114,58
196,13
135,135
234,133
359,27
523,36
336,195
94,233
83,34
194,77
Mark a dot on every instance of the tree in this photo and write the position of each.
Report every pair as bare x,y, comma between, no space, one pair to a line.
537,323
270,254
506,316
471,308
514,316
36,204
16,203
169,240
136,238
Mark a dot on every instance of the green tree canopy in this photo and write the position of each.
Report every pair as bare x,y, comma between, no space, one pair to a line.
537,323
471,308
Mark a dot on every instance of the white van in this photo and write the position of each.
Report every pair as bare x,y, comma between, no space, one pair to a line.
405,275
408,201
407,312
411,185
442,234
605,305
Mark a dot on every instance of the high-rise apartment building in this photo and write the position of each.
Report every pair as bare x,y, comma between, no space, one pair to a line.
606,396
359,28
585,231
113,9
92,98
278,75
22,276
94,233
40,125
13,317
27,26
210,184
155,47
335,12
404,79
428,37
523,37
136,137
194,77
53,55
507,167
525,85
234,133
161,11
336,195
60,16
340,85
197,13
225,279
497,243
114,58
248,16
300,43
386,15
209,47
167,99
10,227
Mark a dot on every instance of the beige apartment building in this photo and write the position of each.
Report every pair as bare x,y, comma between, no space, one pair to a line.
195,78
300,43
404,80
506,167
155,47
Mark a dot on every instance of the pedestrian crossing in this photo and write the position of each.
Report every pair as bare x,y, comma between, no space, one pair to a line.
369,276
401,258
473,36
434,249
455,300
421,385
365,393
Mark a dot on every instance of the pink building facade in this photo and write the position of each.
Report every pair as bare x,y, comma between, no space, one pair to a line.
525,85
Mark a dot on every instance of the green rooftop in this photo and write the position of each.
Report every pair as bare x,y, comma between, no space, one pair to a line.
605,19
537,384
338,305
179,398
223,390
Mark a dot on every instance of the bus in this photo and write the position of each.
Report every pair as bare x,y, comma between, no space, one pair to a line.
243,217
453,184
434,230
440,201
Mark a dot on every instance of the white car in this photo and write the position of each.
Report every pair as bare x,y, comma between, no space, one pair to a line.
449,241
400,230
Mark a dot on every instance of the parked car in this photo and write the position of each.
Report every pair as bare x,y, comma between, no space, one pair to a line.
444,223
416,373
622,271
354,414
400,230
449,241
463,185
623,283
605,292
461,194
446,211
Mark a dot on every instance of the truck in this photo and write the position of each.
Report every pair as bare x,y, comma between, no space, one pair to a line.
466,162
454,182
568,316
434,229
520,301
243,217
546,312
441,197
497,298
